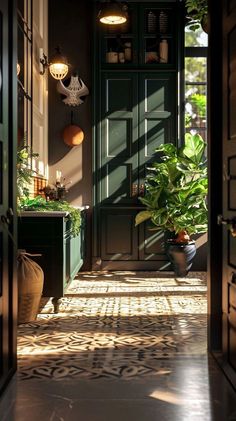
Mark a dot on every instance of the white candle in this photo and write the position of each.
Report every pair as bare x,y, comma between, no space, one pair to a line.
58,176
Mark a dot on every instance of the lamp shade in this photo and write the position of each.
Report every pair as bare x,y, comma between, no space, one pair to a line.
58,66
111,13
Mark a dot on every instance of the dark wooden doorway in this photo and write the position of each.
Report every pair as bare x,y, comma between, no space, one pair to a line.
222,224
8,95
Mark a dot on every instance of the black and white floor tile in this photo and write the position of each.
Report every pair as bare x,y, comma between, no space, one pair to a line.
116,325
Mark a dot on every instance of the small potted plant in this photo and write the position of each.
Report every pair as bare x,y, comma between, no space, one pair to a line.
175,199
197,14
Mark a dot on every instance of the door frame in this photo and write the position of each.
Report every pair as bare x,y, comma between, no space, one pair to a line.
221,19
214,275
11,296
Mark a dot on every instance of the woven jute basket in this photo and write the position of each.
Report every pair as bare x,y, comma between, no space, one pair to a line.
30,287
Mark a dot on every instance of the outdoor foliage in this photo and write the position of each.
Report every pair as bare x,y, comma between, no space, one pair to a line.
196,12
195,114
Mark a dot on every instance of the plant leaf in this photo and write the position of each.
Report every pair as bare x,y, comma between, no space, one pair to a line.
142,216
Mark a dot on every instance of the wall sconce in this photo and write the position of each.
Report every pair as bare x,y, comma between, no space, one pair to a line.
112,13
58,66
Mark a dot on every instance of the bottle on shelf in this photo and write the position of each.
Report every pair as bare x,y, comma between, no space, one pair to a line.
112,56
128,51
163,51
120,49
151,22
121,56
163,22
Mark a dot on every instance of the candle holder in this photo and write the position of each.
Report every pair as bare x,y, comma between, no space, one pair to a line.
57,191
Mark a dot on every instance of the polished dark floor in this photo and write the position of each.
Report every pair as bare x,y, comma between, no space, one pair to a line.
125,346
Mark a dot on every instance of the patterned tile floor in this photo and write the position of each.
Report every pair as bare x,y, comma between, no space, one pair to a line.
116,325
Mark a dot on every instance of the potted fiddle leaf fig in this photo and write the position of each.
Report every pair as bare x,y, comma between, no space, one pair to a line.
197,14
175,199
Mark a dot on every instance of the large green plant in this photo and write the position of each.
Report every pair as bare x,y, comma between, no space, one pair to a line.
176,189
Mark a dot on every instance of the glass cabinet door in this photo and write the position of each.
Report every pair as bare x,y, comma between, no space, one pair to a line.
24,72
148,39
157,36
120,42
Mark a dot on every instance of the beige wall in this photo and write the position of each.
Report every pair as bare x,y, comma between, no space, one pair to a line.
70,27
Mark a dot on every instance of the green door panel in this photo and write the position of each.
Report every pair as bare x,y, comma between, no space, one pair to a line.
157,115
138,114
118,182
119,138
155,93
119,93
155,134
118,235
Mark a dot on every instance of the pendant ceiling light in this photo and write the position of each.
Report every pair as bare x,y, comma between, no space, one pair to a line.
112,13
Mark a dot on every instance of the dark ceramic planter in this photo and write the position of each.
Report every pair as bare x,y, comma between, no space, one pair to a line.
181,256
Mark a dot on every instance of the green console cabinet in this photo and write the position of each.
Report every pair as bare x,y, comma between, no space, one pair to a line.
47,233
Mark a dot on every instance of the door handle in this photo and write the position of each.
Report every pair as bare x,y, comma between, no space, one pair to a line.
227,221
7,219
141,189
134,192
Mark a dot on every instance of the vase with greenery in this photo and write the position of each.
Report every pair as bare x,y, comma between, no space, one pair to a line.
25,175
197,11
176,189
39,204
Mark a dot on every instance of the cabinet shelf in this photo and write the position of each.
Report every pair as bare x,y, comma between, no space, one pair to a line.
158,35
133,66
146,48
118,35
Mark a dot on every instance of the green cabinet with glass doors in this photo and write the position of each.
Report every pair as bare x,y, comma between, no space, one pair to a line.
136,111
